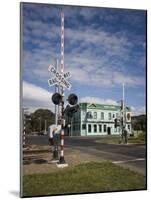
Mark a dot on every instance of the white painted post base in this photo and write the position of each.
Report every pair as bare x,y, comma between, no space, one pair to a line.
62,165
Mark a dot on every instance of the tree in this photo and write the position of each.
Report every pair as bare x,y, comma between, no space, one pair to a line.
37,122
139,122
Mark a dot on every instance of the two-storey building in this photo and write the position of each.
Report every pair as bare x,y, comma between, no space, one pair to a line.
96,119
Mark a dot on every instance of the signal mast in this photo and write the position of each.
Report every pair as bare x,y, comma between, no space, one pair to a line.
62,160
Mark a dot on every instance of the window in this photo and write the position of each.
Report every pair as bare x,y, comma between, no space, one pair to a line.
100,128
128,126
95,115
95,128
113,116
128,116
83,126
89,128
89,115
104,127
102,115
109,116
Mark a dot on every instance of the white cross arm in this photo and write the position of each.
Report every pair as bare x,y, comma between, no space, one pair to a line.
52,81
59,77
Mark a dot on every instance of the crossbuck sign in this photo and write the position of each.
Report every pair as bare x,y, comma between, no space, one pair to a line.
59,79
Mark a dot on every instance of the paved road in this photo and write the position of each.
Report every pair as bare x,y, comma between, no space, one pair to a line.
133,156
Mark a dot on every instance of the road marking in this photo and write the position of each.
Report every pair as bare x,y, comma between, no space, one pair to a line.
125,161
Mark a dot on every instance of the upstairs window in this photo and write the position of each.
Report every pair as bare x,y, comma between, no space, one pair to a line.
95,115
109,116
89,115
102,115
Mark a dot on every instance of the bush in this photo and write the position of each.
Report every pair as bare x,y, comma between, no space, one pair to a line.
142,136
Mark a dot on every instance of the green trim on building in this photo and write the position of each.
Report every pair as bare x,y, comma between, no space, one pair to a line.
85,106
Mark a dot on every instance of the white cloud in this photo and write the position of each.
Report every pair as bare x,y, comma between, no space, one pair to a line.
138,110
94,56
101,77
120,78
89,99
36,97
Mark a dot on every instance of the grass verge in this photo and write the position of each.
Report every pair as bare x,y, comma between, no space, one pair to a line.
115,140
84,178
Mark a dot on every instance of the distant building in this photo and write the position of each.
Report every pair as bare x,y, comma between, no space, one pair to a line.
96,119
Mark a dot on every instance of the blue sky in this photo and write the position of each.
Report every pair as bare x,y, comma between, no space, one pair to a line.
104,47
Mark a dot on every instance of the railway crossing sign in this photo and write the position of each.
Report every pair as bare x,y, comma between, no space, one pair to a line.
52,81
67,75
59,79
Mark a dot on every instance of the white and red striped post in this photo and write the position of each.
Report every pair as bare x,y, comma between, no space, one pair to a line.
62,160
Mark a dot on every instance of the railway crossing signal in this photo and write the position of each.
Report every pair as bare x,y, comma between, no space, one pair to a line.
60,79
73,107
72,99
56,98
70,110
